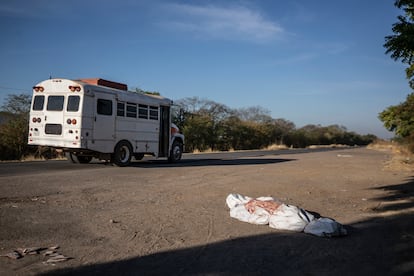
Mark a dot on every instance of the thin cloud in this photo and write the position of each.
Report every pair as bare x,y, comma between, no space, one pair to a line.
36,9
229,23
313,52
299,58
12,10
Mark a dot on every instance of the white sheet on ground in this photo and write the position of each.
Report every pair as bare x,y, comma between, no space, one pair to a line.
268,210
325,227
289,217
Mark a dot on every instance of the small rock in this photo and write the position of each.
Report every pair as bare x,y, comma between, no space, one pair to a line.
13,255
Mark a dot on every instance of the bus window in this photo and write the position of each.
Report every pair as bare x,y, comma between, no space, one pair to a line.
104,107
120,110
143,111
153,115
55,103
131,110
38,102
73,103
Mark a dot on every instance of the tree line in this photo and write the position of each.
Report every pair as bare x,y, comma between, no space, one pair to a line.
208,125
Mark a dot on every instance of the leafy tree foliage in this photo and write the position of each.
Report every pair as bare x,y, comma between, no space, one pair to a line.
400,118
14,126
139,90
401,44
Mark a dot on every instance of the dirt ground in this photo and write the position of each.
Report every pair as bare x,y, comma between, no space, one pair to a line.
157,219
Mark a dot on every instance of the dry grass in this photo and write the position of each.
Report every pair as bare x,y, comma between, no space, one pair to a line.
328,146
402,159
276,147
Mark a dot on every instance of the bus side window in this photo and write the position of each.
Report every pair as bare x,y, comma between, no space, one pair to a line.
143,111
38,102
104,107
131,110
120,110
153,115
73,103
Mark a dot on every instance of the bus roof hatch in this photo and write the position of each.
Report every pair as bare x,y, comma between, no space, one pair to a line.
106,83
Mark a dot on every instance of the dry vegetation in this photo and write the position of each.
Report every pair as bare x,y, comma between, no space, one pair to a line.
402,158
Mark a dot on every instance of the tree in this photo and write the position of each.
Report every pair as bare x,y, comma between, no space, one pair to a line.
281,128
400,118
202,122
401,44
139,90
14,129
17,104
254,114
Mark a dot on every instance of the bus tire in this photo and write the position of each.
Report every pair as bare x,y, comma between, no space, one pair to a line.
78,159
176,152
122,154
72,157
139,156
84,159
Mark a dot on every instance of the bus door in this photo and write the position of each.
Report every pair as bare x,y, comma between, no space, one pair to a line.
164,141
104,121
53,115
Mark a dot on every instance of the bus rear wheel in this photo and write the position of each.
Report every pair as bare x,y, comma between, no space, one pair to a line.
139,156
78,159
122,154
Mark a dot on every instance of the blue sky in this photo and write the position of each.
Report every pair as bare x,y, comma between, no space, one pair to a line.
310,62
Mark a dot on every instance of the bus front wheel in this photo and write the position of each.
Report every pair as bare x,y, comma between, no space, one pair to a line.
176,152
122,154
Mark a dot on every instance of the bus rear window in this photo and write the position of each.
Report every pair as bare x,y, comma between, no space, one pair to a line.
73,103
55,103
38,102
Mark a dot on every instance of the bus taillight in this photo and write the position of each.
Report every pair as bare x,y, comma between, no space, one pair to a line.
71,121
38,88
36,120
74,88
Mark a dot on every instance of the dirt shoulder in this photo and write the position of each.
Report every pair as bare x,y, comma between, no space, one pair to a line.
160,219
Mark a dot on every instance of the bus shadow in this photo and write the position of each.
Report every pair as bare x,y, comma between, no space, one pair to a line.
208,162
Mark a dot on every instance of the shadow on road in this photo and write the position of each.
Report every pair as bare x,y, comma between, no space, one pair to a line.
381,245
208,162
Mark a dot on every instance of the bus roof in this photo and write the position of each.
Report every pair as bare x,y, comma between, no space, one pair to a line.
107,86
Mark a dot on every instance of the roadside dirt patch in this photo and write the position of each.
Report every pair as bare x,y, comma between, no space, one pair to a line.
161,219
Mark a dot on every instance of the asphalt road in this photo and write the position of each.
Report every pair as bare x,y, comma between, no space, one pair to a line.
200,159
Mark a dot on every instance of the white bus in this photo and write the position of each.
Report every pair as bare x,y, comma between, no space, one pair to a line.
98,118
